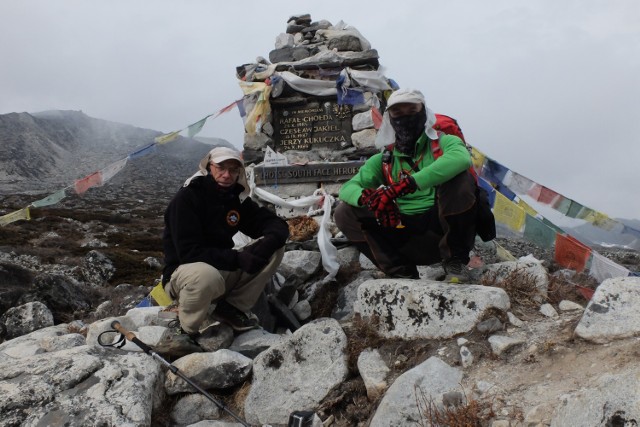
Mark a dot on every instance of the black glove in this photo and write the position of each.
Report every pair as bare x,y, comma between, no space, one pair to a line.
265,247
250,262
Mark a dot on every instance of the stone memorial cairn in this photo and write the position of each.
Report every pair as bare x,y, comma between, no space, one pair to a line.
312,109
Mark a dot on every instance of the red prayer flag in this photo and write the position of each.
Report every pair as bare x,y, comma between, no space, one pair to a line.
535,191
547,196
229,107
570,253
585,292
93,180
376,117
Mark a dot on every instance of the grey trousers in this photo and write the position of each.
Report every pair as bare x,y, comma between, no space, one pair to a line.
197,285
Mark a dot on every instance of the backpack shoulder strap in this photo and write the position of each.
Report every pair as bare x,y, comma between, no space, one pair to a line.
387,166
435,147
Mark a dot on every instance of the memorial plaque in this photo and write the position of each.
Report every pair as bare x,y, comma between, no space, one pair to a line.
317,172
312,126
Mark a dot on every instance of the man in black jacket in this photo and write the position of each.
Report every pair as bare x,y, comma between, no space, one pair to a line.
201,266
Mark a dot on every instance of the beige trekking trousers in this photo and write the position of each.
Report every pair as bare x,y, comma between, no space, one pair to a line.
197,285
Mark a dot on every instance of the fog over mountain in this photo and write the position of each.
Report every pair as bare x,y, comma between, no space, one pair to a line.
46,151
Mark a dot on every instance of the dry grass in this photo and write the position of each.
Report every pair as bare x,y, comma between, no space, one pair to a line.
348,404
361,335
236,402
562,289
324,302
520,286
161,416
470,413
302,228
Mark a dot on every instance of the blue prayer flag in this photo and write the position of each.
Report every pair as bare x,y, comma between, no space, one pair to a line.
146,302
492,191
497,170
147,149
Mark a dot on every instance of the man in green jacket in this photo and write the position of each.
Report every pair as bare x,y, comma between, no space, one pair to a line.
405,208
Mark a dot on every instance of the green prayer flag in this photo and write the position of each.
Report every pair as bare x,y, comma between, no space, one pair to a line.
562,205
51,199
538,232
551,225
195,128
585,212
574,209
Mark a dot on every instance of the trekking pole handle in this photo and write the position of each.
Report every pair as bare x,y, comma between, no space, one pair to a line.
130,336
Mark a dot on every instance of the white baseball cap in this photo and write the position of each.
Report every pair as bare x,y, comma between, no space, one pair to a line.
219,155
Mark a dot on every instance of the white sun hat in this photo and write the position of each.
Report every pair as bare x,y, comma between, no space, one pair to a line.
386,135
219,155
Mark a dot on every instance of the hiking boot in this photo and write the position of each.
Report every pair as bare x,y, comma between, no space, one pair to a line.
176,328
413,276
237,319
456,271
177,342
403,272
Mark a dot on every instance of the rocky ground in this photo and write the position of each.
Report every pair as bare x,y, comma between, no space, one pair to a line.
94,257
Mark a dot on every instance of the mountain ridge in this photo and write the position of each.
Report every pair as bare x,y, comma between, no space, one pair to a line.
43,151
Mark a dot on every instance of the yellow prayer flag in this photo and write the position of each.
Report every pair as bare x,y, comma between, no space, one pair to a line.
163,139
527,208
23,213
252,87
503,254
477,158
260,111
160,296
508,213
600,220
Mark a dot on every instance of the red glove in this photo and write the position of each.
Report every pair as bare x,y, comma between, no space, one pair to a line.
389,216
365,197
385,195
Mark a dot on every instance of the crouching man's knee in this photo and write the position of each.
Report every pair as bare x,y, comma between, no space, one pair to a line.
197,280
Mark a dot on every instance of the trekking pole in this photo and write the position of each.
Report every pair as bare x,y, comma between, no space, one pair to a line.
131,337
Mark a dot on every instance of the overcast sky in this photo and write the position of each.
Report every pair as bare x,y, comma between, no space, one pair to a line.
548,88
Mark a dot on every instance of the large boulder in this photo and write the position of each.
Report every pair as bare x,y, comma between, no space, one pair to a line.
78,387
611,400
424,309
612,312
425,383
220,369
297,373
26,318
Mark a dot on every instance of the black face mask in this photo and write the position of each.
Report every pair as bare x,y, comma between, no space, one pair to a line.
408,129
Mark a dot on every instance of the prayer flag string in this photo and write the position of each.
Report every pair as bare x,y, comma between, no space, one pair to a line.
512,184
510,210
99,178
